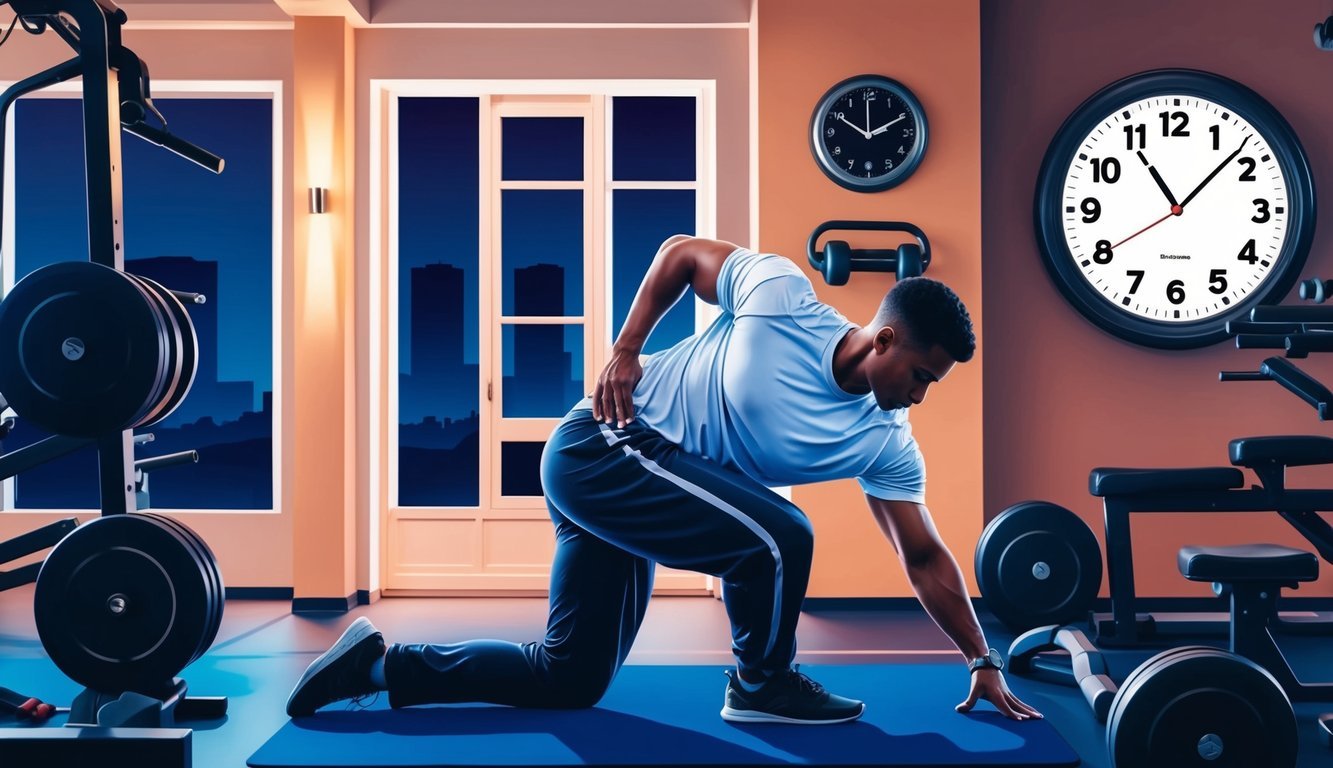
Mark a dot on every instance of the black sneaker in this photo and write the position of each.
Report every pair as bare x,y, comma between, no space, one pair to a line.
789,697
343,672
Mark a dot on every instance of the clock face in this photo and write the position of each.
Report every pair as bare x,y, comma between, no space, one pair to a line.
868,133
1166,210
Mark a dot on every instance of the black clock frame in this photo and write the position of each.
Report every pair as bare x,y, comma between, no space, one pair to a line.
833,170
1048,205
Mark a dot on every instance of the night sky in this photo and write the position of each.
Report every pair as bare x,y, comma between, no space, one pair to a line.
172,208
216,234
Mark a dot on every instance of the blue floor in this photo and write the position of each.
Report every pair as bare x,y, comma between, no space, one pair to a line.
263,648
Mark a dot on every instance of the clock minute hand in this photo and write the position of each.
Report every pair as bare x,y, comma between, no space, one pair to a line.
1216,171
855,127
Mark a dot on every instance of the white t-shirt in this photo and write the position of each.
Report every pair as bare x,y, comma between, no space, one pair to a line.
755,390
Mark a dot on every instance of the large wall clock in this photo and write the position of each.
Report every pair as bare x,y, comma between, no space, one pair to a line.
1171,202
868,133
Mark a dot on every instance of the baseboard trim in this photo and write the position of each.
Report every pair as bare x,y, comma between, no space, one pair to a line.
1101,605
366,596
324,604
259,593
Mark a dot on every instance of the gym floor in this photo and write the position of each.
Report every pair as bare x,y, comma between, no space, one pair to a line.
262,649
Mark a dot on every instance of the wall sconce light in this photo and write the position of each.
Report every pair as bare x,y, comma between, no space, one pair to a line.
319,199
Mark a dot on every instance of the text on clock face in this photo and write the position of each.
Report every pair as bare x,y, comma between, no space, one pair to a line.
1175,208
869,131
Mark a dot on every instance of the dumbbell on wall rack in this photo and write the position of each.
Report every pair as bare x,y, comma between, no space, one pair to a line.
836,260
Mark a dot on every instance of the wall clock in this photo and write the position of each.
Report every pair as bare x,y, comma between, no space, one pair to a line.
868,133
1171,202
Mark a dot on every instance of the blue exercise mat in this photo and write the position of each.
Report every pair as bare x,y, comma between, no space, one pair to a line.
668,715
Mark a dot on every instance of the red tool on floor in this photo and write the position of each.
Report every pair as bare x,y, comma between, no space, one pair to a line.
24,707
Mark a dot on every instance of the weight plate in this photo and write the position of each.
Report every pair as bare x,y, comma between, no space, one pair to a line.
189,348
171,340
121,604
1037,563
81,349
208,568
210,565
1201,707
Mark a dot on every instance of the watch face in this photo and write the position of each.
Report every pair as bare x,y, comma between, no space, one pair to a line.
868,133
1175,208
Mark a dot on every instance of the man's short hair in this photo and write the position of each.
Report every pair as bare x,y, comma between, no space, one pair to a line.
931,314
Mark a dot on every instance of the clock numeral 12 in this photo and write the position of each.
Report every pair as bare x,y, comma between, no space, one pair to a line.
1179,130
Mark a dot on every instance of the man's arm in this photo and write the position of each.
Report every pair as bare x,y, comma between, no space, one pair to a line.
932,571
682,262
938,582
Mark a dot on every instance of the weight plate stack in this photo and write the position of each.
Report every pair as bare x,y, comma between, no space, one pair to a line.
125,602
188,351
210,566
83,350
1201,707
1037,563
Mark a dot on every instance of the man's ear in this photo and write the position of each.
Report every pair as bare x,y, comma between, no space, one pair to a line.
885,338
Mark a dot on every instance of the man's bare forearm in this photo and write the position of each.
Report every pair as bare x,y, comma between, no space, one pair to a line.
663,285
939,584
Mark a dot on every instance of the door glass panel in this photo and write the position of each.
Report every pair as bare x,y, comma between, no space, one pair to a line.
542,252
541,148
652,138
520,468
438,364
643,218
543,369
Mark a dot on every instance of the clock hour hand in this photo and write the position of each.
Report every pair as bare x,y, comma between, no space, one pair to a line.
1157,177
1216,171
855,127
885,127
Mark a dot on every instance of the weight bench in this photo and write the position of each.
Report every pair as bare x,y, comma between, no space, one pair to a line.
1253,575
1209,489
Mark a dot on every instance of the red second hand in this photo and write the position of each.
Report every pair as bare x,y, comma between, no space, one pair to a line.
1176,210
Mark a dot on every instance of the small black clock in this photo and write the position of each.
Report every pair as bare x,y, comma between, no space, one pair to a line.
868,133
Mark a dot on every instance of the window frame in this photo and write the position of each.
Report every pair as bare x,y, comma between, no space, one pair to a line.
168,89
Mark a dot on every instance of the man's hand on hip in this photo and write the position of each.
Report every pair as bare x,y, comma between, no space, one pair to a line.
613,398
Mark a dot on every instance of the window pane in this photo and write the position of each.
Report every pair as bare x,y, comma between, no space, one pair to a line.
543,369
541,148
438,391
542,252
642,219
520,468
652,138
171,207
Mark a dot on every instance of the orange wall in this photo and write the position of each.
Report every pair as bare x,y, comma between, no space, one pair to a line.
1070,397
933,49
324,471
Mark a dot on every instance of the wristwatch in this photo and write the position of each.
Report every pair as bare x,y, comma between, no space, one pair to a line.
992,660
